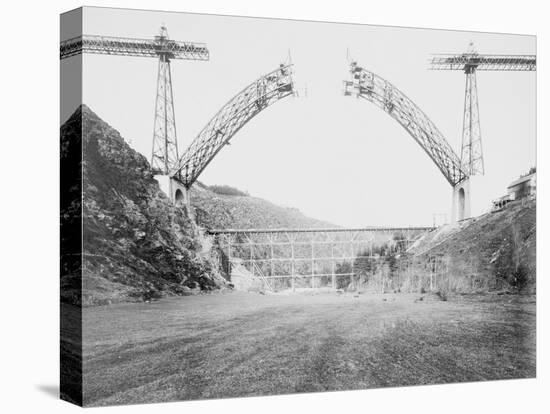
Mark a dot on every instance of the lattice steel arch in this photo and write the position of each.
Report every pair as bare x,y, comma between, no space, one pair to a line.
240,109
368,85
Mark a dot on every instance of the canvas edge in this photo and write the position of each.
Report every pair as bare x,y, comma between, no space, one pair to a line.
71,384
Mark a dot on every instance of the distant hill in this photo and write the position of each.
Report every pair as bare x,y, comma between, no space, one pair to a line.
227,190
136,244
226,207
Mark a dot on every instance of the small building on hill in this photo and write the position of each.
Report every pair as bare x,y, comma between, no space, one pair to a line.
523,187
501,202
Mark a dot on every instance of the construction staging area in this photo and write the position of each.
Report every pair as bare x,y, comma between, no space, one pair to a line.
280,257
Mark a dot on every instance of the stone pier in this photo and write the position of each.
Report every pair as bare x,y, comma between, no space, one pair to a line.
461,201
176,191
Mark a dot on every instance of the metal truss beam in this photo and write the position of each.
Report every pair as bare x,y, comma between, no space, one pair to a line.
108,45
165,143
368,85
471,155
483,62
371,229
244,106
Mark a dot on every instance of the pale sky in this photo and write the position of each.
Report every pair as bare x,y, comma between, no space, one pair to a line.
335,158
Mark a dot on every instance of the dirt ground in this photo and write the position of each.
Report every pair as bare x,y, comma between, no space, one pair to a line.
244,344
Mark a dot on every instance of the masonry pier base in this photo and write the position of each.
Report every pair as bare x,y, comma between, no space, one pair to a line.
176,191
461,201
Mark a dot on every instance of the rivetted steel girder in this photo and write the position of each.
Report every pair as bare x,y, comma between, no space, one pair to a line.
109,45
257,96
368,85
484,62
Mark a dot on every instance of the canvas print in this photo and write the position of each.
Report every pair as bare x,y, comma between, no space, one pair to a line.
255,206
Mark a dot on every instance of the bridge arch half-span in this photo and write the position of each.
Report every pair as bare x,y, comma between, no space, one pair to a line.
240,109
368,85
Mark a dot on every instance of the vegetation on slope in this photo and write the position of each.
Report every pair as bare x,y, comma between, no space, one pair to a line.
491,252
136,244
233,208
227,190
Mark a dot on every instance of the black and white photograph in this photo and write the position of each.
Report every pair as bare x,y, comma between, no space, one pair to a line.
272,207
257,206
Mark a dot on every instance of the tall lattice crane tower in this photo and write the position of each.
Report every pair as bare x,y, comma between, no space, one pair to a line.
165,146
471,155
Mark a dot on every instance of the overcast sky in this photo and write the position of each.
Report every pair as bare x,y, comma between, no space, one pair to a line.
335,158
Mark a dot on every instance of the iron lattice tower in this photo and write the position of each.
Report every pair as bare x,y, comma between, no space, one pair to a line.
471,155
165,143
165,149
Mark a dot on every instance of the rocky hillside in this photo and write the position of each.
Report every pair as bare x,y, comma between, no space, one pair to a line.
136,244
491,252
232,208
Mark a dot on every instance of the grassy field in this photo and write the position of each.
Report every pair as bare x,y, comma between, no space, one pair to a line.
244,344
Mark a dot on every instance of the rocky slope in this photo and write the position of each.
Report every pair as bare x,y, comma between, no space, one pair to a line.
490,252
136,244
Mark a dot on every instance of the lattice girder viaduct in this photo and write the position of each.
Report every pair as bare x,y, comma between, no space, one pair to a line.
279,255
240,109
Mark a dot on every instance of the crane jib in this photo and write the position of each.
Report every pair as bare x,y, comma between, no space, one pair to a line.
133,47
